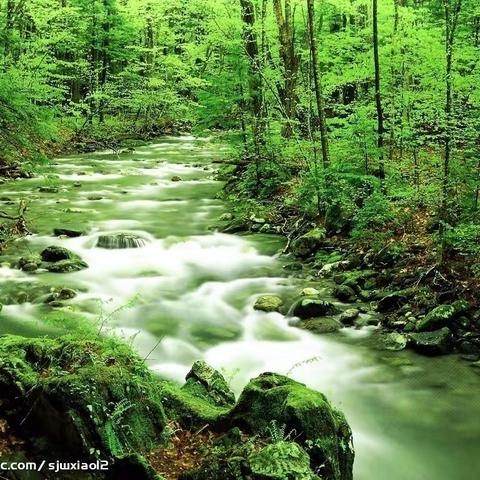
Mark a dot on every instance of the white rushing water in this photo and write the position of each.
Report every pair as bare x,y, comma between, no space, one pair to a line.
194,289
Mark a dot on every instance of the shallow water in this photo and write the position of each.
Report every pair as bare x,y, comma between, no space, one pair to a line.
413,418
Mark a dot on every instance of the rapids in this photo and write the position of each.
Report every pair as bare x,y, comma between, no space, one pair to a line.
187,292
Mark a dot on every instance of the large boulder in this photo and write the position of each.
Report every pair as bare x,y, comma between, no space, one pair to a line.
277,400
442,316
311,308
307,244
344,293
268,303
438,342
81,396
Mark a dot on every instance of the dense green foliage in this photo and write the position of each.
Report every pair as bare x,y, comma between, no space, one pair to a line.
372,107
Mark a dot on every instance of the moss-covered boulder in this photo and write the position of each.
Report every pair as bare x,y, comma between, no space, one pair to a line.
82,396
307,244
202,400
344,293
320,325
311,308
268,303
66,266
55,253
316,425
438,342
442,316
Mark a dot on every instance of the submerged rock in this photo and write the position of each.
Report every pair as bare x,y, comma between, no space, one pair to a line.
176,178
390,341
432,343
310,308
268,303
120,241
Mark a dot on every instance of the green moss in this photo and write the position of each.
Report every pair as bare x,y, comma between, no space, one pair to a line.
189,406
442,315
88,395
282,461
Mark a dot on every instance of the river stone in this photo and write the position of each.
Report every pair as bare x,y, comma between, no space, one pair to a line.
120,241
281,460
348,316
432,343
176,178
442,315
276,399
308,244
344,293
94,197
49,189
55,254
320,325
67,266
310,308
329,268
310,292
29,263
268,303
209,383
391,341
58,232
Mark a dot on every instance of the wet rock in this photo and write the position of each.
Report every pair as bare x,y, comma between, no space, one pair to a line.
55,254
176,178
67,266
348,316
268,303
308,244
237,225
120,241
49,189
437,342
29,263
66,232
280,461
320,325
275,399
469,348
471,358
310,308
94,197
390,341
344,293
442,316
59,295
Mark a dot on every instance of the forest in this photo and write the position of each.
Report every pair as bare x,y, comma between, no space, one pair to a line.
245,186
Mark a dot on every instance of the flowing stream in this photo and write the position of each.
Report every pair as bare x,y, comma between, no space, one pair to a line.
413,418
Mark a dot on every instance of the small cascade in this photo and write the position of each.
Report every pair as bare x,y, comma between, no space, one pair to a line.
116,241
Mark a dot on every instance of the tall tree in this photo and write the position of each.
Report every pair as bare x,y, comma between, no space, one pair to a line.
317,80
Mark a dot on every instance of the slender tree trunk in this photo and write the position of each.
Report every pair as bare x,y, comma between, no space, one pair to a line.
452,11
317,80
290,63
378,95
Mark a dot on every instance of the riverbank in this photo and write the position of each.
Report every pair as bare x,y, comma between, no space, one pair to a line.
189,293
